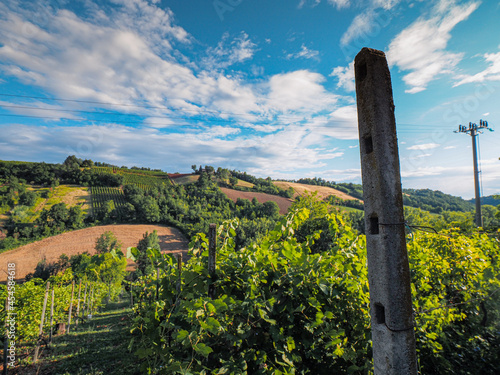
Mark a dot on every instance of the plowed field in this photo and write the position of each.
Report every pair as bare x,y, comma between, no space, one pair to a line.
323,191
283,203
76,242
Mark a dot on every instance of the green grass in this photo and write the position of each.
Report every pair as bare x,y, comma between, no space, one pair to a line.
99,346
245,184
348,209
186,179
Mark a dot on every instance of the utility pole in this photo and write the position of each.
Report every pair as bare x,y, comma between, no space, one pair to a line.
391,309
473,130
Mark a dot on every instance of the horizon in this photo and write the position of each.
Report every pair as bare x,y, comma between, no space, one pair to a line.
261,87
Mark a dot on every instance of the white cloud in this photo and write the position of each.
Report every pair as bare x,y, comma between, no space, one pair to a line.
425,146
421,48
450,147
491,73
228,53
197,114
339,124
361,25
345,76
304,53
340,4
300,90
423,171
311,3
39,109
369,22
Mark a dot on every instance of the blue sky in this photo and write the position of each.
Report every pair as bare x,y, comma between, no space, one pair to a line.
260,86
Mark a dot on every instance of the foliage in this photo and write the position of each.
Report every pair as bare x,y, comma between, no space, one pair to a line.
29,298
264,185
107,243
284,306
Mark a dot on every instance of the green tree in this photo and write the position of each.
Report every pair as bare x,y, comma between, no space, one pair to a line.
72,162
107,242
75,217
28,198
149,240
233,181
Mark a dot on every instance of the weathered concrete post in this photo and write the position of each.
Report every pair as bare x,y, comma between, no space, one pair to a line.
388,270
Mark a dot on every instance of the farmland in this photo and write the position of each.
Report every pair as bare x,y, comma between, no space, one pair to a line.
144,179
101,195
182,179
283,203
83,240
323,191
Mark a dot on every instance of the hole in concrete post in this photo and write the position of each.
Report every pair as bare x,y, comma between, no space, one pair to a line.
361,71
374,225
379,313
368,144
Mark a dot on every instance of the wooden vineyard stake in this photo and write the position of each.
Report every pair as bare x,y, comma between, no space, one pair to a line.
40,332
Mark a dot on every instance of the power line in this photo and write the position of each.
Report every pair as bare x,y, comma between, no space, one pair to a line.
402,126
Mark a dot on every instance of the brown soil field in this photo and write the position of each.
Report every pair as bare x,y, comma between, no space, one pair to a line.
72,243
323,191
283,203
177,175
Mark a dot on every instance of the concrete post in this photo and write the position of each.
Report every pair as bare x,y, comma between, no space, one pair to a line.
388,270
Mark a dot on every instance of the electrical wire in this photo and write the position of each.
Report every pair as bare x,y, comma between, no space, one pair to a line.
403,127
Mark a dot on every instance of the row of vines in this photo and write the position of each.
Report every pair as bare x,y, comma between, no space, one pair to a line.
28,300
142,178
102,195
281,308
46,303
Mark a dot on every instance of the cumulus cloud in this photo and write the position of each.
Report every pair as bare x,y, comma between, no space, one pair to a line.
304,53
301,90
228,53
421,48
128,59
345,76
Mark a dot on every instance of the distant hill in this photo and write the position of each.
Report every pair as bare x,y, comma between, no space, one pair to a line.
430,200
487,200
435,201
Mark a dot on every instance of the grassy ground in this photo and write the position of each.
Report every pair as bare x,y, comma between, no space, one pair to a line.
99,346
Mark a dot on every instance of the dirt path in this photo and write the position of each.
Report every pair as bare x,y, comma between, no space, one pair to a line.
76,242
